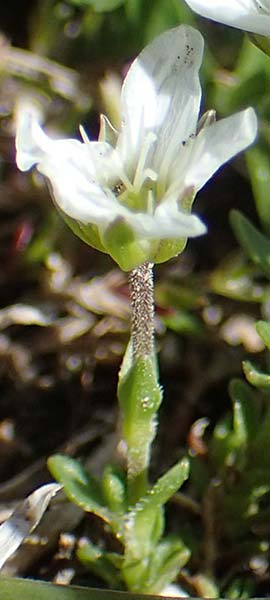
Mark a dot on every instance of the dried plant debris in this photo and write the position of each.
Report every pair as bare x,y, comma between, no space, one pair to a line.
24,520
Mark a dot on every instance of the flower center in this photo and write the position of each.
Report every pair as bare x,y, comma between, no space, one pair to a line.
136,193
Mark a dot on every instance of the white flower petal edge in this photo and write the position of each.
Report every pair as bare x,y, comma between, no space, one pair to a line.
249,15
149,179
217,144
162,93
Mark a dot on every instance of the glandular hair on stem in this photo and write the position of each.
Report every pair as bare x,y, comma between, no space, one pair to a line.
142,309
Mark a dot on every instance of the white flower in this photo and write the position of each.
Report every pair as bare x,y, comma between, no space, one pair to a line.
249,15
132,198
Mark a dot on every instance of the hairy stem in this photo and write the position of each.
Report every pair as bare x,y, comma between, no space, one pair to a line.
142,310
140,426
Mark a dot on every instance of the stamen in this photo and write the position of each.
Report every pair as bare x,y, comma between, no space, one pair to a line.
84,135
141,174
150,202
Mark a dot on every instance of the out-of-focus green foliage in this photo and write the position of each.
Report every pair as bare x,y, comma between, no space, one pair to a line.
98,5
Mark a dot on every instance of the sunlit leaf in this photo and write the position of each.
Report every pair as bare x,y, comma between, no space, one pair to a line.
79,486
144,522
256,377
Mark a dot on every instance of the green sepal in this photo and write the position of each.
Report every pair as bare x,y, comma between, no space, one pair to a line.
255,244
79,486
169,249
124,247
87,233
254,376
260,41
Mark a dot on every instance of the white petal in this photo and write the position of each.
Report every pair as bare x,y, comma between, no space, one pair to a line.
243,14
172,222
161,92
168,221
73,170
76,195
31,141
217,144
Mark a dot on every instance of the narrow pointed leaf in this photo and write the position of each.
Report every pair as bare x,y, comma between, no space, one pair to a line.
243,394
259,169
79,486
145,522
255,244
165,564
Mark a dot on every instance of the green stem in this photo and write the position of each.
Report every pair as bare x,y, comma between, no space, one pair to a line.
142,343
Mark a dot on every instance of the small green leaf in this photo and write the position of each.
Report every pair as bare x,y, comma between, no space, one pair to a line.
79,486
222,445
241,588
101,563
255,244
183,322
256,377
263,329
248,413
259,169
144,522
234,278
139,391
114,488
166,561
139,397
